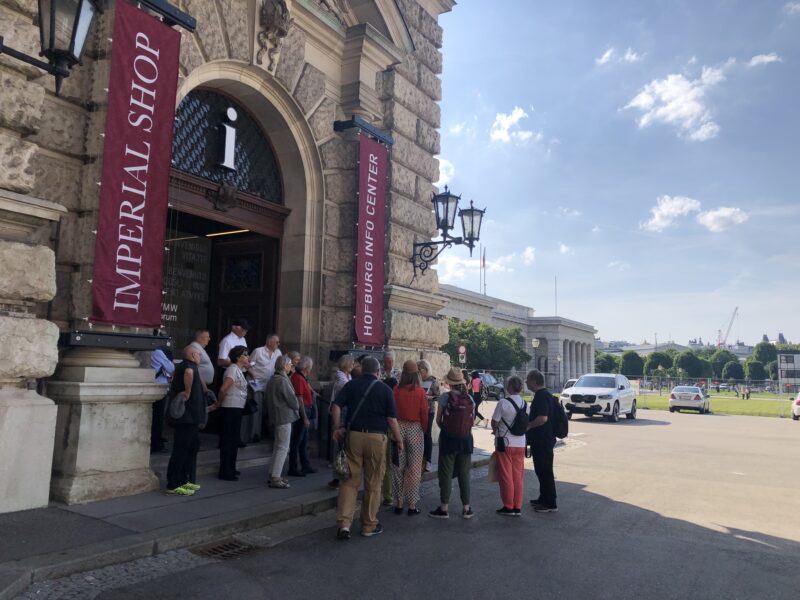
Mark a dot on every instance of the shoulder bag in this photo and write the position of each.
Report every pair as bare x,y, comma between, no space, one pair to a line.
340,464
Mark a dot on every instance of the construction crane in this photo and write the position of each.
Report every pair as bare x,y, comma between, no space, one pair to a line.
721,341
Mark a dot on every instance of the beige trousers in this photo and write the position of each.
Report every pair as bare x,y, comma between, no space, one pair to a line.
366,454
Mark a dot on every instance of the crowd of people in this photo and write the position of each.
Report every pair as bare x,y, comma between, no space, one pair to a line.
382,417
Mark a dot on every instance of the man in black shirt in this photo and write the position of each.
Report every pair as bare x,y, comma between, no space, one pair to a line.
542,440
366,445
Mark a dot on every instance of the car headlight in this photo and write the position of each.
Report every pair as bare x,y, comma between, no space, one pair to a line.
565,396
606,397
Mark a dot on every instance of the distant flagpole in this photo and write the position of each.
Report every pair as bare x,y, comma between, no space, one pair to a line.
555,289
484,271
480,269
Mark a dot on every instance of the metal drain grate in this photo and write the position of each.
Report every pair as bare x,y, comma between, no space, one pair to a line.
224,550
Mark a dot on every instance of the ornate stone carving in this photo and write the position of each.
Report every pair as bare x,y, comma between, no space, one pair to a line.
337,8
223,197
275,23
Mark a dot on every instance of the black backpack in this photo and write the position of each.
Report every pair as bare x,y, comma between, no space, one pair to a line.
519,426
559,417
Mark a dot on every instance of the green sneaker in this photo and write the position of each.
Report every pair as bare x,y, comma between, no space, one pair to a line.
179,491
191,486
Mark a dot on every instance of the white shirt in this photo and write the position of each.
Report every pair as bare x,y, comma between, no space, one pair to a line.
205,367
505,411
229,342
262,366
236,396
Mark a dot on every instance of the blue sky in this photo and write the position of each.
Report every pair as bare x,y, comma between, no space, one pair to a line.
645,152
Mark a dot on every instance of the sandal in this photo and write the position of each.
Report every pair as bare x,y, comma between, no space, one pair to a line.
413,511
278,483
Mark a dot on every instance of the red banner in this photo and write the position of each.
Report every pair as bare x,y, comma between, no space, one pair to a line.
129,250
372,173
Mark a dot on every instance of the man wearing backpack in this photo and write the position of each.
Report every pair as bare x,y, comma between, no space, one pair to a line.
542,440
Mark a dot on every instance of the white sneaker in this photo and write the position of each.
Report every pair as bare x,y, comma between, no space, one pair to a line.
428,466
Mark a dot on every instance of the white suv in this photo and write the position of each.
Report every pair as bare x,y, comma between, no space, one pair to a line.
601,394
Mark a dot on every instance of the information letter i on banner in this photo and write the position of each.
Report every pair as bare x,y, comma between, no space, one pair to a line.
129,250
372,173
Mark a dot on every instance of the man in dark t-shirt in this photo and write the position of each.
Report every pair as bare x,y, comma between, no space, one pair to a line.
542,440
366,445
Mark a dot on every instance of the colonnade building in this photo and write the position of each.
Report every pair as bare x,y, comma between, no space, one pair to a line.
258,216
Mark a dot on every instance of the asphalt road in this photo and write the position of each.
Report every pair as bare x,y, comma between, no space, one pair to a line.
668,506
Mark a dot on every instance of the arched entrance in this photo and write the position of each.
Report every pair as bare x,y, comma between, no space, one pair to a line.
277,260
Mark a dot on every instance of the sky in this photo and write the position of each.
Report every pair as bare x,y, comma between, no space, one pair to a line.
644,153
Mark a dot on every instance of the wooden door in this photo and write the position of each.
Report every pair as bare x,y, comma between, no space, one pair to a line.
244,284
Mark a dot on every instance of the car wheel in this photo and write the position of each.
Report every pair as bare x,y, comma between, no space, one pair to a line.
632,415
671,409
569,415
795,417
614,416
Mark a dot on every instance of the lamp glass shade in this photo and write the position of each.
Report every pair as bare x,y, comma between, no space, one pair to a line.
64,27
445,205
471,219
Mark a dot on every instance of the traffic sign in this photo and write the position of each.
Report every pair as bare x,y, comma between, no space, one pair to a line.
462,358
462,349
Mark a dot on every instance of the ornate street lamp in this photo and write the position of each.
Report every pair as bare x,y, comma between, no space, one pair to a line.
63,27
445,206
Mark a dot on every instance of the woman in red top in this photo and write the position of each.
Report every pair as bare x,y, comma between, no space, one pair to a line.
412,417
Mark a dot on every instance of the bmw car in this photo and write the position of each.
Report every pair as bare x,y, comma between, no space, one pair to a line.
602,394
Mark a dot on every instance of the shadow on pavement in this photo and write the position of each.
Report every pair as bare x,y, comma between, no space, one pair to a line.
594,547
637,422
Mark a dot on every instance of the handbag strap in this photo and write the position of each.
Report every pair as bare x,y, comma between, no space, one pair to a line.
350,418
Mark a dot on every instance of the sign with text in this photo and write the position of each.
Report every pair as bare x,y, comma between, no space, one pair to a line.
370,241
129,249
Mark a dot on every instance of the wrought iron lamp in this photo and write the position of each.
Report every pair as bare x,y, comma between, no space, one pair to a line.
63,27
445,206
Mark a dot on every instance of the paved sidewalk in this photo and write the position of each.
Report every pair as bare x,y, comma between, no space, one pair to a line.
56,541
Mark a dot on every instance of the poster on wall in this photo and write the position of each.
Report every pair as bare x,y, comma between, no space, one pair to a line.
129,249
372,173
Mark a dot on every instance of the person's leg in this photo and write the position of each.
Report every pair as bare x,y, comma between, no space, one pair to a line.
223,441
518,475
258,417
348,489
463,468
429,438
374,456
504,478
414,449
177,460
538,466
543,463
229,442
236,427
446,464
282,435
302,449
190,465
157,425
246,429
398,471
386,486
294,443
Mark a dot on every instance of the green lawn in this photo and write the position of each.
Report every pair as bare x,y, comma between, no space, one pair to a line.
727,405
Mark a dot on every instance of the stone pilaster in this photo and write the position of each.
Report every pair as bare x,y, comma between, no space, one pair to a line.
102,447
28,350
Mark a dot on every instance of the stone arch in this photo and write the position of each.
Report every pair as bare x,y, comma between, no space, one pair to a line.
282,119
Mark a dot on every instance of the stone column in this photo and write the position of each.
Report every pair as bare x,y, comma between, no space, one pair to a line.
102,445
29,350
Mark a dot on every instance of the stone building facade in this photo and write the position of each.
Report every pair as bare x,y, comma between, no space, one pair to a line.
565,347
294,67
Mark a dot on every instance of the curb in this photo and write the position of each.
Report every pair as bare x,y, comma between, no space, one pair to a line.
16,576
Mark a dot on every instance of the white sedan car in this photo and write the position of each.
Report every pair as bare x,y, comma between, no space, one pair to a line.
796,408
601,394
688,397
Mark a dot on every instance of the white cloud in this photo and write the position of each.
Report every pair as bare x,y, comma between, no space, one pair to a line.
619,265
458,128
606,57
453,268
631,57
693,60
564,249
764,59
596,229
565,211
678,101
722,218
506,128
792,8
446,172
529,255
667,210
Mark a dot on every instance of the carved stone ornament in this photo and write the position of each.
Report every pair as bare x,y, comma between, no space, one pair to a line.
275,23
224,197
337,8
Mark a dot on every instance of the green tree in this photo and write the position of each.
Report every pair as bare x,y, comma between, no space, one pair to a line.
487,347
755,371
605,362
632,365
720,358
689,362
655,360
733,370
764,352
772,369
707,368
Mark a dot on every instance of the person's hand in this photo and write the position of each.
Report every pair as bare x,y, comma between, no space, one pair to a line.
400,446
306,423
338,434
